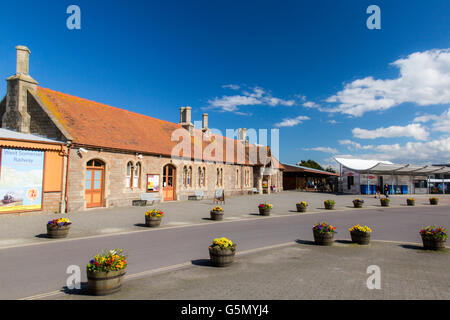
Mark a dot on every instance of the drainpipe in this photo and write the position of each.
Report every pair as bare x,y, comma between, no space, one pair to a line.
67,177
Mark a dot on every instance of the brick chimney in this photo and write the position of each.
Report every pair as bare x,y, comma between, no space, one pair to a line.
185,119
16,115
205,122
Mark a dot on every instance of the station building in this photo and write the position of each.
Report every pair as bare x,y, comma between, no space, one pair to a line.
103,156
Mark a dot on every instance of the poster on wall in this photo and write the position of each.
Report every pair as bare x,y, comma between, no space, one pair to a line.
21,177
153,183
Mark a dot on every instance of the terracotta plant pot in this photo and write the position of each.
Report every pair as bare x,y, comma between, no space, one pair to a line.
301,208
323,238
216,215
152,221
264,212
410,202
431,243
357,204
221,257
434,202
360,237
384,203
57,232
103,283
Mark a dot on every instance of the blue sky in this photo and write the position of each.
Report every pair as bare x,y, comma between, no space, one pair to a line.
312,69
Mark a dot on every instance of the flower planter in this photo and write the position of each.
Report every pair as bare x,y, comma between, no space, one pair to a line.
323,238
152,221
434,202
264,212
430,243
329,206
410,202
216,215
103,283
301,208
221,257
357,204
384,203
57,231
360,237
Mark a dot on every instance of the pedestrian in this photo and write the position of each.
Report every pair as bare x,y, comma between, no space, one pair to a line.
386,190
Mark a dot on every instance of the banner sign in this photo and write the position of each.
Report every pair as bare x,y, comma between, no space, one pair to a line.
21,177
153,183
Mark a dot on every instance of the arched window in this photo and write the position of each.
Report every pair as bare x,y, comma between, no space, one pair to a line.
204,176
219,177
137,175
185,176
200,178
189,177
129,174
237,177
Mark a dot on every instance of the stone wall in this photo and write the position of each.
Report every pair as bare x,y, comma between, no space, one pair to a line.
40,123
116,192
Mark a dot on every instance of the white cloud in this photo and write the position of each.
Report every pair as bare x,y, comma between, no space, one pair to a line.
424,80
257,96
435,151
415,130
322,149
290,122
332,121
355,145
231,86
310,104
440,123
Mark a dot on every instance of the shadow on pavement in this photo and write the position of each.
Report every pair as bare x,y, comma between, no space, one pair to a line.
308,242
83,291
202,262
140,225
344,241
414,247
42,236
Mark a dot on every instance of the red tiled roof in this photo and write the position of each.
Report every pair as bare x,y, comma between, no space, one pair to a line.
95,124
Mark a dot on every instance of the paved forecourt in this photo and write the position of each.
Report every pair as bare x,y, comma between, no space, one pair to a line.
31,270
22,229
298,271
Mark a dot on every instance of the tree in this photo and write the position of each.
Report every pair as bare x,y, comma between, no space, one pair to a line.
330,169
314,165
310,164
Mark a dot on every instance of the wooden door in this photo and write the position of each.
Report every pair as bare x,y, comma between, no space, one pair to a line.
169,174
94,184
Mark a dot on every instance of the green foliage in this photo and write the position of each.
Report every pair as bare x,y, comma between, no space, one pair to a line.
311,164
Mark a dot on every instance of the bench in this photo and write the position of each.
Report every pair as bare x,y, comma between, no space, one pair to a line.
145,198
198,195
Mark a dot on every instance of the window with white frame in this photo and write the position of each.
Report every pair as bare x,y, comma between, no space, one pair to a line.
137,175
129,173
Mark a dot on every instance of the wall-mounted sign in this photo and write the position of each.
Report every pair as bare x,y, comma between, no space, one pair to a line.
153,183
21,177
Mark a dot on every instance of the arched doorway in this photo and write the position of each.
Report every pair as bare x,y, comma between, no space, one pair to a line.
94,183
169,175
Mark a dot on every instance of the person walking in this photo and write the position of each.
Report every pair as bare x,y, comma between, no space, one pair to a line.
386,190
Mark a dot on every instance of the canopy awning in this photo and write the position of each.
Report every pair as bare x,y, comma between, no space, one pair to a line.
374,166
